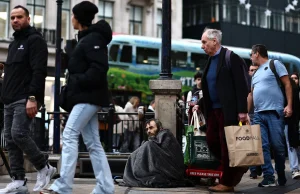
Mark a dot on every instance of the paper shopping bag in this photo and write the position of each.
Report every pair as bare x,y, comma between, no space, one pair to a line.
244,145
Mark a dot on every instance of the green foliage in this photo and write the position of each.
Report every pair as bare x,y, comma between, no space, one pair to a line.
122,79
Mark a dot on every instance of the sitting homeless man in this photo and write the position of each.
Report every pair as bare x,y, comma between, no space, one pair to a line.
158,162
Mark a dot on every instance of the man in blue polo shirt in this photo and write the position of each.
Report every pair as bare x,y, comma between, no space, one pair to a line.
269,112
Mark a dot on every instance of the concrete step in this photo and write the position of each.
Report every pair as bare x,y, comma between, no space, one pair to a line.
117,162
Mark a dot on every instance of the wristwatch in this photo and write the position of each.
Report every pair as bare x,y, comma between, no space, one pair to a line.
32,99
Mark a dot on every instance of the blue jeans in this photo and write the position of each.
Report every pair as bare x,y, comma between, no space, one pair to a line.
294,153
83,119
272,133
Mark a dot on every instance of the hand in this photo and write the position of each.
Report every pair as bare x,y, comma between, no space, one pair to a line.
288,111
248,119
31,109
243,117
195,108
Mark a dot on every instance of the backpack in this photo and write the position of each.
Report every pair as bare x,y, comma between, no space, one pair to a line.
244,68
295,89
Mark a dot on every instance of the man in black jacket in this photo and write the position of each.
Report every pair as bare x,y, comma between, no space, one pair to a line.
225,94
22,92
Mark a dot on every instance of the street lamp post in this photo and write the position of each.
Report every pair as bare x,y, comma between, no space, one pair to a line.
165,88
166,41
56,139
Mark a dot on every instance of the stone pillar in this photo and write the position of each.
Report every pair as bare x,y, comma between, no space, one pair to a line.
166,92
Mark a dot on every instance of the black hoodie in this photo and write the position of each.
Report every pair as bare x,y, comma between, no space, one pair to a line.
88,66
26,67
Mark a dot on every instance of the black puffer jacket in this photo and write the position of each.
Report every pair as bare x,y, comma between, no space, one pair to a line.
26,67
88,66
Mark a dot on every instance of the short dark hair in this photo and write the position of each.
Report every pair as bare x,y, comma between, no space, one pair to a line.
157,122
24,8
261,49
198,75
152,102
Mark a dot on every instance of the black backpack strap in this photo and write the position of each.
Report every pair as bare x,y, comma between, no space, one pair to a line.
273,69
227,58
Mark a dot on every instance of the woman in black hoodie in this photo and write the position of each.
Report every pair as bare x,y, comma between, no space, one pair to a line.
87,91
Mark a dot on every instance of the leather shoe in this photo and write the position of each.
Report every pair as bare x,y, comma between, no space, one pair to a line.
221,188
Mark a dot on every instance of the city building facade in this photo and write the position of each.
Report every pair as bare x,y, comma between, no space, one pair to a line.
274,23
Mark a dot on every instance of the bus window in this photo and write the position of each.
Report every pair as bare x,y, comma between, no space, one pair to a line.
198,60
113,52
147,56
126,55
178,59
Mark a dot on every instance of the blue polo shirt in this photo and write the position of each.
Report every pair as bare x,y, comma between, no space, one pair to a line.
211,79
266,92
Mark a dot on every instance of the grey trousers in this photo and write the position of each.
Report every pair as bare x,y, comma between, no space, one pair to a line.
17,136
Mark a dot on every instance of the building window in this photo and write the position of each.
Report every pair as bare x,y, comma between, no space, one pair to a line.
37,9
243,15
106,11
278,21
65,25
261,19
292,23
136,20
159,23
4,15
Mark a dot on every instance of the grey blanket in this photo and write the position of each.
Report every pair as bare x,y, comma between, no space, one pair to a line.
156,163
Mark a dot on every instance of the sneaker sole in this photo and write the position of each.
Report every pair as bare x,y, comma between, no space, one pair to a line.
24,191
270,185
296,176
19,192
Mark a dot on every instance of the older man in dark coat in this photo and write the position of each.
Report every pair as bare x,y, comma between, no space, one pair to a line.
225,92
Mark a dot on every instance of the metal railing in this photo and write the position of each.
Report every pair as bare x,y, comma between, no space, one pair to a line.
112,130
48,34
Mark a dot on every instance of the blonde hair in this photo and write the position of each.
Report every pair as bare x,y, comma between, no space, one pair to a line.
134,99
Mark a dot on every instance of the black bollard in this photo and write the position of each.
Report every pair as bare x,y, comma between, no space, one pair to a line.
111,116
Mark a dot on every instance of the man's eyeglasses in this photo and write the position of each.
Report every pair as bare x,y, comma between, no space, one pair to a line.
251,54
253,70
294,78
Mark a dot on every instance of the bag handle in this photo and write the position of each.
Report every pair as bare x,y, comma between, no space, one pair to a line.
196,120
241,124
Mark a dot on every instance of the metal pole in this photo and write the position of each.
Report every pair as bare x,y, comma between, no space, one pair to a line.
56,141
33,14
166,41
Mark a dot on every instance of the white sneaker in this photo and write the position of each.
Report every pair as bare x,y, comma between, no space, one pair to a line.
296,174
16,186
43,177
